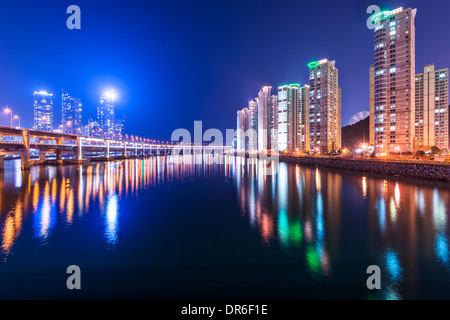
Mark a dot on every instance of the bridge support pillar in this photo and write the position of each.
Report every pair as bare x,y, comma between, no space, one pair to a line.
25,160
79,153
25,155
2,163
59,154
41,156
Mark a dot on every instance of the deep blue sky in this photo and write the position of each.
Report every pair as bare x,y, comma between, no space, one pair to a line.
173,62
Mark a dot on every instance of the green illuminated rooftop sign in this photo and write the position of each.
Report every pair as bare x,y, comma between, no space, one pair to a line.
294,84
385,14
381,15
313,64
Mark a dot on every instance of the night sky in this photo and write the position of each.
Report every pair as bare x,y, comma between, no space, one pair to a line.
174,62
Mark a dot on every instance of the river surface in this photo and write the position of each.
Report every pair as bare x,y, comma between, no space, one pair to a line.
182,227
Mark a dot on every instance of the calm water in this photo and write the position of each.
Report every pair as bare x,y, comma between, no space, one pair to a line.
155,229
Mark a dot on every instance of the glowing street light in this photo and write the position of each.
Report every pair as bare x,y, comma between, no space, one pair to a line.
8,110
17,117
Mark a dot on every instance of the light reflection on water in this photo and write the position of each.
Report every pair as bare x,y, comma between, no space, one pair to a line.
404,222
323,218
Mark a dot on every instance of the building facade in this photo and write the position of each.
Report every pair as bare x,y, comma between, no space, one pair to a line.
243,124
393,82
431,109
267,123
253,124
293,118
324,107
71,109
106,114
372,106
43,111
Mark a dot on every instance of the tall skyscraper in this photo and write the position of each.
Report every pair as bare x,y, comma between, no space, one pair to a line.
372,106
394,76
325,107
431,103
253,124
293,117
243,123
43,111
119,128
106,114
71,114
303,132
267,108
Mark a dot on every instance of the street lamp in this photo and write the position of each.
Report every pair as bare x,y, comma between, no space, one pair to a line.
7,110
17,117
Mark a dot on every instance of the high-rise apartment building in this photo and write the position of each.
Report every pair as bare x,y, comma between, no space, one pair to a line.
243,124
71,108
106,114
372,106
324,107
253,124
119,128
431,109
393,82
43,111
267,123
293,118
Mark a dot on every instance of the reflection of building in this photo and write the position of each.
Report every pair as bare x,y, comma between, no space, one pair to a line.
43,111
325,107
393,81
431,114
293,118
71,114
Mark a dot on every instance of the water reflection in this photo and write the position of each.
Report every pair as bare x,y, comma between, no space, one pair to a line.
112,219
398,223
321,219
289,209
58,196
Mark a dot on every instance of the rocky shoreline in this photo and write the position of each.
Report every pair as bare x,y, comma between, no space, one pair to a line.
430,170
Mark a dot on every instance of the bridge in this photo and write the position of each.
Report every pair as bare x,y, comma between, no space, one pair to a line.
36,147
